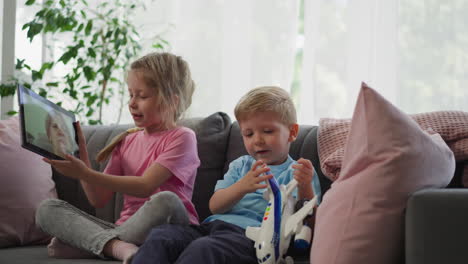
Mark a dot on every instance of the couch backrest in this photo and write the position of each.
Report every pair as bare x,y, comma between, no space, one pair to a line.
219,142
212,137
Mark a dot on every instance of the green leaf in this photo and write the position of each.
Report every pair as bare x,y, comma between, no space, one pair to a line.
46,66
30,2
36,75
65,57
80,27
108,34
19,64
12,113
7,89
34,29
91,52
52,84
89,73
158,46
42,12
72,52
93,122
73,94
43,92
90,112
89,27
116,33
91,100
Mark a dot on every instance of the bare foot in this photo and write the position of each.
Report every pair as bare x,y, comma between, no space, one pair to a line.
61,250
119,249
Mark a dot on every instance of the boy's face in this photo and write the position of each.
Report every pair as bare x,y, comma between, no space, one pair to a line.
266,138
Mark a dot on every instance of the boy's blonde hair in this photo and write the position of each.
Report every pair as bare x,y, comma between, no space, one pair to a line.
267,99
169,75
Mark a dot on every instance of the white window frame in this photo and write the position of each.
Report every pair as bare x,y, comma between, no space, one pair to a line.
7,52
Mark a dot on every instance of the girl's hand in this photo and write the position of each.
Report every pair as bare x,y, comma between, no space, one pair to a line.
303,172
82,144
70,167
252,180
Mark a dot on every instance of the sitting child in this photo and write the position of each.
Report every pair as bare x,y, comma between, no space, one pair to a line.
267,119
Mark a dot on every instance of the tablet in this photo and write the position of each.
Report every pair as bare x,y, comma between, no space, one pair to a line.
46,128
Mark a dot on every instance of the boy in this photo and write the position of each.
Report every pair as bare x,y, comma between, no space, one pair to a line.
267,119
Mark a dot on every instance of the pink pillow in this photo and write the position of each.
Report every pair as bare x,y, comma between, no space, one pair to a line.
26,180
387,158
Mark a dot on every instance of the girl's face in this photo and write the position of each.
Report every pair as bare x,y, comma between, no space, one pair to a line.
143,104
266,138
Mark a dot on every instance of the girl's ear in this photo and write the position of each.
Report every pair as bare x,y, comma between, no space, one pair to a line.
293,131
176,100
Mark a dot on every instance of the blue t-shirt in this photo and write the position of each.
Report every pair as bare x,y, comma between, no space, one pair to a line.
250,209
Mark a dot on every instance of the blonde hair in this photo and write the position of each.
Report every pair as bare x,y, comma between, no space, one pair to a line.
267,99
169,75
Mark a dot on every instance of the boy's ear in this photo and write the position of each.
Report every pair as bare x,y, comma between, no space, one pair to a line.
293,131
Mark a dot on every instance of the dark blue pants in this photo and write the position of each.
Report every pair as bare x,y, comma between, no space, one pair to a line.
216,242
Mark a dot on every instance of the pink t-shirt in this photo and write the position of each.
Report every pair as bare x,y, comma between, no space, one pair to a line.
174,149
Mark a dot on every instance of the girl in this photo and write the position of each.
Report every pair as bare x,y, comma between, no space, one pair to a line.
154,166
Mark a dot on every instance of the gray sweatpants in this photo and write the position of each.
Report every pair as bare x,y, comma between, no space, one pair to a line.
81,230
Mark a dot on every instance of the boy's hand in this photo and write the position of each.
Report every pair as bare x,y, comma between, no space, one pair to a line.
252,181
303,171
70,167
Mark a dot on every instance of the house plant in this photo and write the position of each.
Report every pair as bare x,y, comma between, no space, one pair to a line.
103,41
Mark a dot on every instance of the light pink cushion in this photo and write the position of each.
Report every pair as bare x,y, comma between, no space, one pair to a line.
387,157
25,181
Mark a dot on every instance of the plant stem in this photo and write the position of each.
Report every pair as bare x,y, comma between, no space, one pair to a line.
101,99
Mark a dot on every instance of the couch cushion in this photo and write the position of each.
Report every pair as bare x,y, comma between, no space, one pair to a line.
387,158
212,139
26,180
38,254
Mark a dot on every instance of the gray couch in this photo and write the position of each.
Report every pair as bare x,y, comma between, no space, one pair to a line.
436,220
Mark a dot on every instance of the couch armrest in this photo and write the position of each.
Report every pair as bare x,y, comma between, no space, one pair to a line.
437,227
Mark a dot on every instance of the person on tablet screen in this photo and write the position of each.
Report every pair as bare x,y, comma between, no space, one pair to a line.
59,135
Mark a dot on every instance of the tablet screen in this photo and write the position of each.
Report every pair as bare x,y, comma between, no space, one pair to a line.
46,128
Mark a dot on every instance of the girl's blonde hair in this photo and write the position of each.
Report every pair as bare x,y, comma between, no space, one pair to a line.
169,75
267,99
